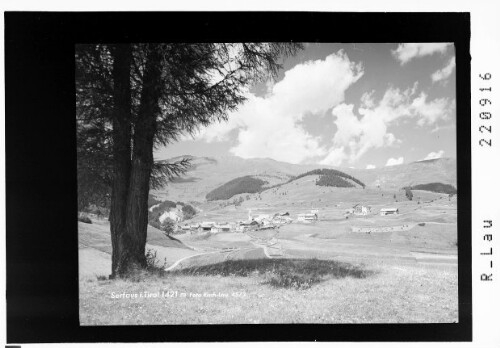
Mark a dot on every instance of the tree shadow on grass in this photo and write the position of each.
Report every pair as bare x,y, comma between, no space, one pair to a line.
282,273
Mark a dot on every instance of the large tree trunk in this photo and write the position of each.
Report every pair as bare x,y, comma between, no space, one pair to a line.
134,240
122,55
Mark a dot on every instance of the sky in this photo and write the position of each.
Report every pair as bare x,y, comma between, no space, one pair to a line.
362,105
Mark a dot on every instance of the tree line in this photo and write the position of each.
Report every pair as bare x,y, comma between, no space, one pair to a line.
435,187
333,180
330,177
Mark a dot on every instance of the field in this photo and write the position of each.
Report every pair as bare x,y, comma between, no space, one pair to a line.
397,294
321,272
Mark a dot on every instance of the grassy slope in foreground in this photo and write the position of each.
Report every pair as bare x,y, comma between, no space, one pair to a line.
94,248
396,294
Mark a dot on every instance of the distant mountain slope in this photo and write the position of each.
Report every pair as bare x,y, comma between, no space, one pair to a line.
441,170
207,174
254,184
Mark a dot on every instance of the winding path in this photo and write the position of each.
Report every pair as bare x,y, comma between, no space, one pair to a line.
176,263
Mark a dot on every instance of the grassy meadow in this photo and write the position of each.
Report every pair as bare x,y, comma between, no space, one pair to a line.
325,274
344,294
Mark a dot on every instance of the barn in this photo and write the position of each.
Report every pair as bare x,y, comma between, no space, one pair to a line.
389,211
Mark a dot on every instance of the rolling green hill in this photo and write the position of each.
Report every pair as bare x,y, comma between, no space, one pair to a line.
245,184
331,177
435,187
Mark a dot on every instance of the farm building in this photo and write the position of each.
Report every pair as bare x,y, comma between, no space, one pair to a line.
206,226
262,217
389,211
220,228
281,220
361,210
185,227
249,223
246,225
307,217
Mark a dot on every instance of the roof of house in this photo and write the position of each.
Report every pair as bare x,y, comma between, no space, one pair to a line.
253,222
307,215
222,226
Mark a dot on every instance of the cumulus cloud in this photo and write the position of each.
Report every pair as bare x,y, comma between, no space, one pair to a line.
441,128
371,166
358,132
430,111
367,99
408,51
270,126
444,73
335,157
434,155
394,161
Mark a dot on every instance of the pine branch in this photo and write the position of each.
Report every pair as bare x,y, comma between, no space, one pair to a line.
164,171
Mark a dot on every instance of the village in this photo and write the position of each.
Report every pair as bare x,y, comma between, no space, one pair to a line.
263,221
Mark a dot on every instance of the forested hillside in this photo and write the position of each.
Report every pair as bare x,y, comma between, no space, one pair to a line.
245,184
331,177
436,187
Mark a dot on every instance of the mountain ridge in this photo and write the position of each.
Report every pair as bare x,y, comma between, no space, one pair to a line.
208,173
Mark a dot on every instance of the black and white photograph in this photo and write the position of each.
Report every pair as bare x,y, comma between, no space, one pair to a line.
300,174
254,183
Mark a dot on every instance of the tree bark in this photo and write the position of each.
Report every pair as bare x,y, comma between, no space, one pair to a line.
134,240
122,55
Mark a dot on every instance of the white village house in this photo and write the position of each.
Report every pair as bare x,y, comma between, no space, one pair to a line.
280,219
246,225
221,228
185,227
310,217
389,211
262,217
